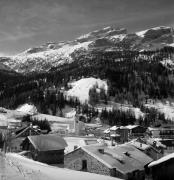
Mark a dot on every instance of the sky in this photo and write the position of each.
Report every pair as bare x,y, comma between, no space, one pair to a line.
29,23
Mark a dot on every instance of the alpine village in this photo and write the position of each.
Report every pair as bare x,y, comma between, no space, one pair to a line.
97,107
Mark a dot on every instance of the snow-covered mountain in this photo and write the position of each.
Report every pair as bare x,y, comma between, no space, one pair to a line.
49,55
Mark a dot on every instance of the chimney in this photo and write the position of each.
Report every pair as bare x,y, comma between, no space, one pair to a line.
127,153
101,150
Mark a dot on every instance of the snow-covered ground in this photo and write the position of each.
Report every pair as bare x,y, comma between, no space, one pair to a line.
166,108
127,107
168,63
80,88
27,109
56,122
10,118
39,60
33,170
119,37
142,33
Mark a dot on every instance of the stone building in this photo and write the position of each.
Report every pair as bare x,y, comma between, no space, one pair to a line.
123,161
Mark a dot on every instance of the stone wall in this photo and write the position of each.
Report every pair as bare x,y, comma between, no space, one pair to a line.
74,160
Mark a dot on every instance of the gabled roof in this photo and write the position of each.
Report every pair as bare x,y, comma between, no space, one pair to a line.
24,129
161,160
47,142
107,131
125,158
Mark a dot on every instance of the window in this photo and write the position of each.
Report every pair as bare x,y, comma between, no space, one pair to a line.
84,165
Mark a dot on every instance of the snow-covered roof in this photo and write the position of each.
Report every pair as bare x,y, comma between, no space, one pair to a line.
131,126
114,128
115,135
126,158
140,145
47,142
161,160
107,131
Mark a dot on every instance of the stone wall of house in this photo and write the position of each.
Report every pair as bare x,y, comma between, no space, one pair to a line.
74,160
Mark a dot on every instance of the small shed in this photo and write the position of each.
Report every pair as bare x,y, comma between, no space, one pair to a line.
46,148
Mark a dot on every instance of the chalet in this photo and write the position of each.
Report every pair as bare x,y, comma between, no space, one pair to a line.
135,131
122,134
162,168
122,161
19,135
45,148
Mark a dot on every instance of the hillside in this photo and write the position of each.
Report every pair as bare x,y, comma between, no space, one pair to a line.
124,74
52,54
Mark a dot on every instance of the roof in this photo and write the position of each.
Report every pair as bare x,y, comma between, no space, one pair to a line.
115,135
49,142
140,145
131,126
113,128
161,160
107,131
24,129
126,158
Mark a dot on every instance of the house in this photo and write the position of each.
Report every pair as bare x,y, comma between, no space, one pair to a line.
19,135
122,134
164,135
14,123
122,161
69,112
45,148
162,168
136,131
107,133
148,149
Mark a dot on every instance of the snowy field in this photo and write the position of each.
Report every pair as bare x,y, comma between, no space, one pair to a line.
80,88
166,108
32,170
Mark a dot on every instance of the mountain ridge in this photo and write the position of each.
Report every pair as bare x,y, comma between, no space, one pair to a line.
52,55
